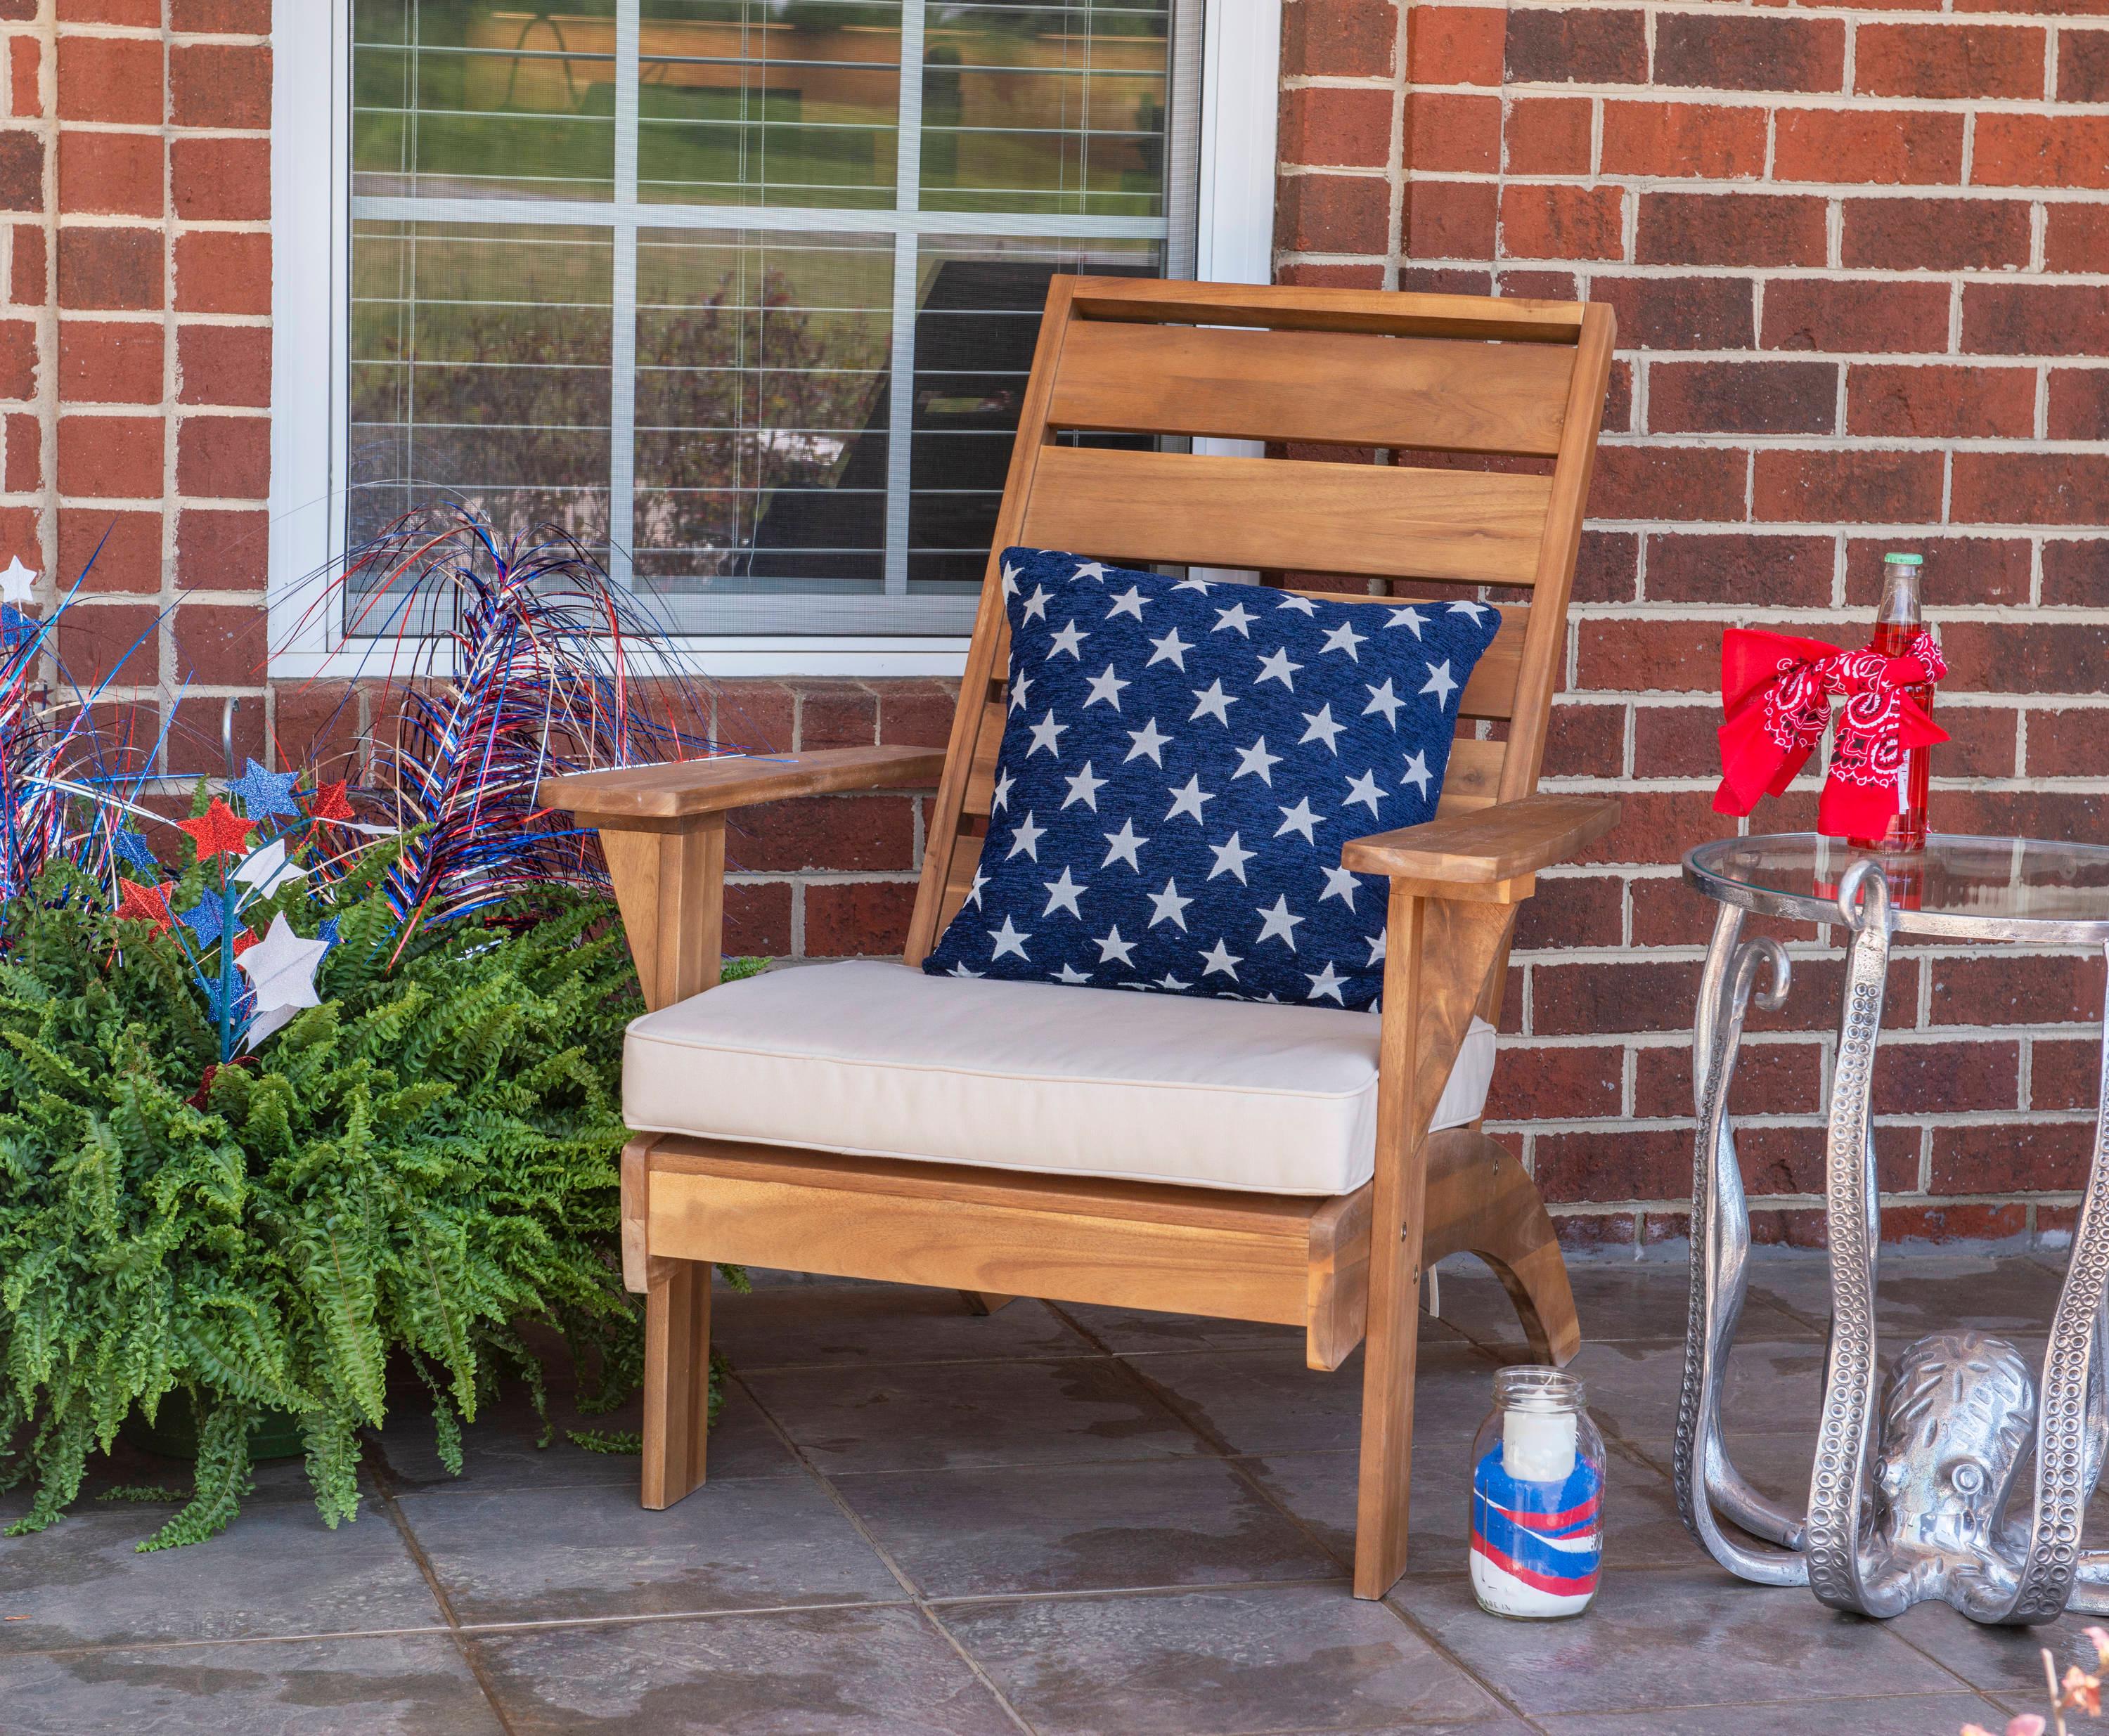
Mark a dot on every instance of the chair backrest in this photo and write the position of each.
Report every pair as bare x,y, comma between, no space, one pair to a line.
1508,393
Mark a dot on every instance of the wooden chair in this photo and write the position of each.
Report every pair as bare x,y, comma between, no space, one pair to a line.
1515,381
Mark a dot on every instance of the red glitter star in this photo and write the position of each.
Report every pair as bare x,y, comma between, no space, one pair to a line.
244,940
329,803
219,830
146,904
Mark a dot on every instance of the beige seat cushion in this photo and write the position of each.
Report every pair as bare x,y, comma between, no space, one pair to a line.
881,1060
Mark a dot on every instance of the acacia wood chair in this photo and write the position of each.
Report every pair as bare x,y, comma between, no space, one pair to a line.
1452,375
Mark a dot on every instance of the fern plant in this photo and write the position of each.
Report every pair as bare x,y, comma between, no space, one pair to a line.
411,1169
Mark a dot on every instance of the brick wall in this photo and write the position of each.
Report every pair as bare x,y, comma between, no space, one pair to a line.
1860,259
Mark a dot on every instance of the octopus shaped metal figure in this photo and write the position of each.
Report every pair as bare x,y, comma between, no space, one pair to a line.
1915,1491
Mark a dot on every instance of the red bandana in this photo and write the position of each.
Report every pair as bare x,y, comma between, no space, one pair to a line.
1776,692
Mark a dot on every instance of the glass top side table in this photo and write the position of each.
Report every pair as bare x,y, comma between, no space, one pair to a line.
1918,1488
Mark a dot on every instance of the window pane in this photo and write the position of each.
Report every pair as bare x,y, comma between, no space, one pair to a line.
483,98
1046,108
480,373
761,412
770,102
979,300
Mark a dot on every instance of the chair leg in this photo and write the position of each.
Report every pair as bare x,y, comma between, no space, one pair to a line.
1391,1355
985,1301
1481,1202
677,1378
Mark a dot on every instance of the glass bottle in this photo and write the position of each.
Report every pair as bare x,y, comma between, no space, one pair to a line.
1537,1488
1897,623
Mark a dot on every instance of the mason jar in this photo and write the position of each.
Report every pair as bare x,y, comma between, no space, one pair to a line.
1538,1490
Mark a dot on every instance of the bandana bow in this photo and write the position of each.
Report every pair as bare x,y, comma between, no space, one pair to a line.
1776,692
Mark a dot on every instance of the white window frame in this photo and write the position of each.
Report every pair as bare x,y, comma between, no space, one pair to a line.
311,322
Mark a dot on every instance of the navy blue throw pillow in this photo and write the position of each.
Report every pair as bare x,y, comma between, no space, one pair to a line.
1181,765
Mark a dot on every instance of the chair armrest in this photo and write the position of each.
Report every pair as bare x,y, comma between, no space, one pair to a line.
1496,844
686,789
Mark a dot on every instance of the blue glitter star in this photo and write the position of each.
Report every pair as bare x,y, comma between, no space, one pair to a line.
205,919
263,792
327,933
132,847
245,1000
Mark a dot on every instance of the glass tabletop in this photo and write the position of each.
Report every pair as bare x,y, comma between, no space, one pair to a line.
1987,889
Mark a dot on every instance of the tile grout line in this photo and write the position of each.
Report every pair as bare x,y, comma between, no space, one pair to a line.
384,1494
921,1603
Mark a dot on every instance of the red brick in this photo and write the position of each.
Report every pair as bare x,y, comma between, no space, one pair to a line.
757,716
917,714
1450,220
1677,742
24,469
1332,128
1573,910
2030,488
2041,150
1683,141
221,645
117,173
2075,570
2076,237
1771,1079
1682,313
99,642
197,747
1855,314
1595,1232
1581,45
2011,1156
1608,569
1342,38
1631,654
109,551
1732,50
1668,482
1585,740
218,84
1756,569
1742,397
110,362
1984,569
849,833
2047,319
1938,1078
29,268
2005,987
1556,1083
1934,234
224,456
1983,740
2065,1075
1731,229
139,14
2078,404
220,549
758,920
109,457
1319,276
1847,487
1454,44
1941,1225
1444,280
1593,998
1450,131
221,17
25,62
111,268
1937,401
221,179
1811,1003
18,358
110,79
1949,60
21,171
217,273
858,918
1655,824
317,725
225,364
2083,66
2025,656
1615,1164
1893,146
1778,1160
1562,223
1547,135
1332,214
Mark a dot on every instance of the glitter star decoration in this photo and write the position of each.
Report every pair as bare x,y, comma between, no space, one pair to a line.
146,903
329,803
132,847
282,968
263,792
218,831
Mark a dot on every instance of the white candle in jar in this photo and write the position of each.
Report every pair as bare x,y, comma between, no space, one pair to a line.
1538,1447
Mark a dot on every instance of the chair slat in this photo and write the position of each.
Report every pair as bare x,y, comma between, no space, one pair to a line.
1437,394
1474,779
1471,527
1514,320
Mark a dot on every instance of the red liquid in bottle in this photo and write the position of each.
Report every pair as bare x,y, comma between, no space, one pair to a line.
1898,623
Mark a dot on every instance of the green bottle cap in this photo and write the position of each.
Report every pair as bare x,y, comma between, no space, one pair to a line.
1901,560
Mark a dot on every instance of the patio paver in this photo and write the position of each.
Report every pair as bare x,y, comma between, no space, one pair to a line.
1051,1519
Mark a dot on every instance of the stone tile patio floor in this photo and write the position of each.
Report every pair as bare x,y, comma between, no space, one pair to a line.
1056,1519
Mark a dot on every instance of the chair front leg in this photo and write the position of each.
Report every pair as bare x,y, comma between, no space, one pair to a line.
677,1378
1438,954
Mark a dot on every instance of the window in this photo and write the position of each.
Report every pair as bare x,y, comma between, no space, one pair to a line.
742,292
